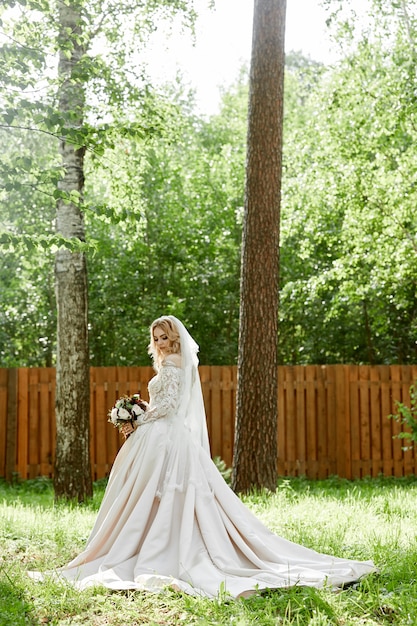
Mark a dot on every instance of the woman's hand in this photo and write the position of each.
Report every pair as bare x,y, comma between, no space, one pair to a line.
127,429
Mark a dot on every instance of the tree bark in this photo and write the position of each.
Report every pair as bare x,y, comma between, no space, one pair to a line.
72,475
255,451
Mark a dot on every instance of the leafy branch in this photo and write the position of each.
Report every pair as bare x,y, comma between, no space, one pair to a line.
407,415
11,241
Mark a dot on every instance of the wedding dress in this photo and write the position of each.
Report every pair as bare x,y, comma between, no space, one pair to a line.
169,518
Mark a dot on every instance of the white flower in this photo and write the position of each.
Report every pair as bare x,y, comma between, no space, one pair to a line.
137,410
123,414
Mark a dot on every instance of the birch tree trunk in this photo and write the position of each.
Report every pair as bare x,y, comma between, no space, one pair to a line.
255,451
72,475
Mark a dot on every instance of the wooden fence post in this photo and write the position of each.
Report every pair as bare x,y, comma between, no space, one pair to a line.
11,424
342,442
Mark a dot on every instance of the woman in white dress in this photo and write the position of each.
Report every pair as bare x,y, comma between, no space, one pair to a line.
167,516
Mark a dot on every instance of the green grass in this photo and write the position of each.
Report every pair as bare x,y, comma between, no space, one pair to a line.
360,519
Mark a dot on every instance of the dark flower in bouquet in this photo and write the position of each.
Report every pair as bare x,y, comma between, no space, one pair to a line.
127,409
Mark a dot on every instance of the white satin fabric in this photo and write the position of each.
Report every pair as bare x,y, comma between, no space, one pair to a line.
168,518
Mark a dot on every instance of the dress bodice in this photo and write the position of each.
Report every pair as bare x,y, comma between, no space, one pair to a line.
164,392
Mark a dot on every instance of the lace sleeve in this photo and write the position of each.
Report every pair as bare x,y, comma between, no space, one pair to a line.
166,396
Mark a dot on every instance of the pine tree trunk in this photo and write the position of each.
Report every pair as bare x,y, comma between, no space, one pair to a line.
72,475
255,452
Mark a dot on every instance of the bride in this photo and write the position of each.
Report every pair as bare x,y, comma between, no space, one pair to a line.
167,516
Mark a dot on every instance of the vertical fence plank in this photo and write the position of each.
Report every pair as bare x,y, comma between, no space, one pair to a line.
312,467
22,422
396,396
33,423
134,380
414,382
290,423
406,382
233,415
11,424
113,439
355,420
228,390
93,420
365,430
4,418
122,376
122,390
216,407
322,422
102,426
387,426
300,404
342,435
53,420
375,421
331,413
45,421
281,434
348,424
145,375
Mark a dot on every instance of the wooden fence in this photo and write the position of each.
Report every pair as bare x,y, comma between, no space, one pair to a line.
332,420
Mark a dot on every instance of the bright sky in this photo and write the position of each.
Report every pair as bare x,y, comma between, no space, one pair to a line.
223,43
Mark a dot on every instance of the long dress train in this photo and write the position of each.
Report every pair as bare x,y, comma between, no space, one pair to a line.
169,518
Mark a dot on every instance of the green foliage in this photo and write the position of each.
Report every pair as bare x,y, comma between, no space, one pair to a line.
349,255
407,416
225,471
164,195
27,309
178,249
120,105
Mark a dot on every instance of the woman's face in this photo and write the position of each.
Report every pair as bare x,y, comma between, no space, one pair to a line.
161,340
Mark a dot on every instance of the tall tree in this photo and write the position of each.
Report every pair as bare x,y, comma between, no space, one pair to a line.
59,107
72,472
255,452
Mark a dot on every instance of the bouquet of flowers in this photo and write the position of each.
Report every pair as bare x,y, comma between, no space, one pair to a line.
126,409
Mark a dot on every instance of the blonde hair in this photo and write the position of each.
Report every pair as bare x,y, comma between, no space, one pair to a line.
171,331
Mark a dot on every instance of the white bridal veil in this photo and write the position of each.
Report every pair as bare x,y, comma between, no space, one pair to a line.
191,405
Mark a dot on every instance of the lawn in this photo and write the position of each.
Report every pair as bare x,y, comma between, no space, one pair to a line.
360,519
